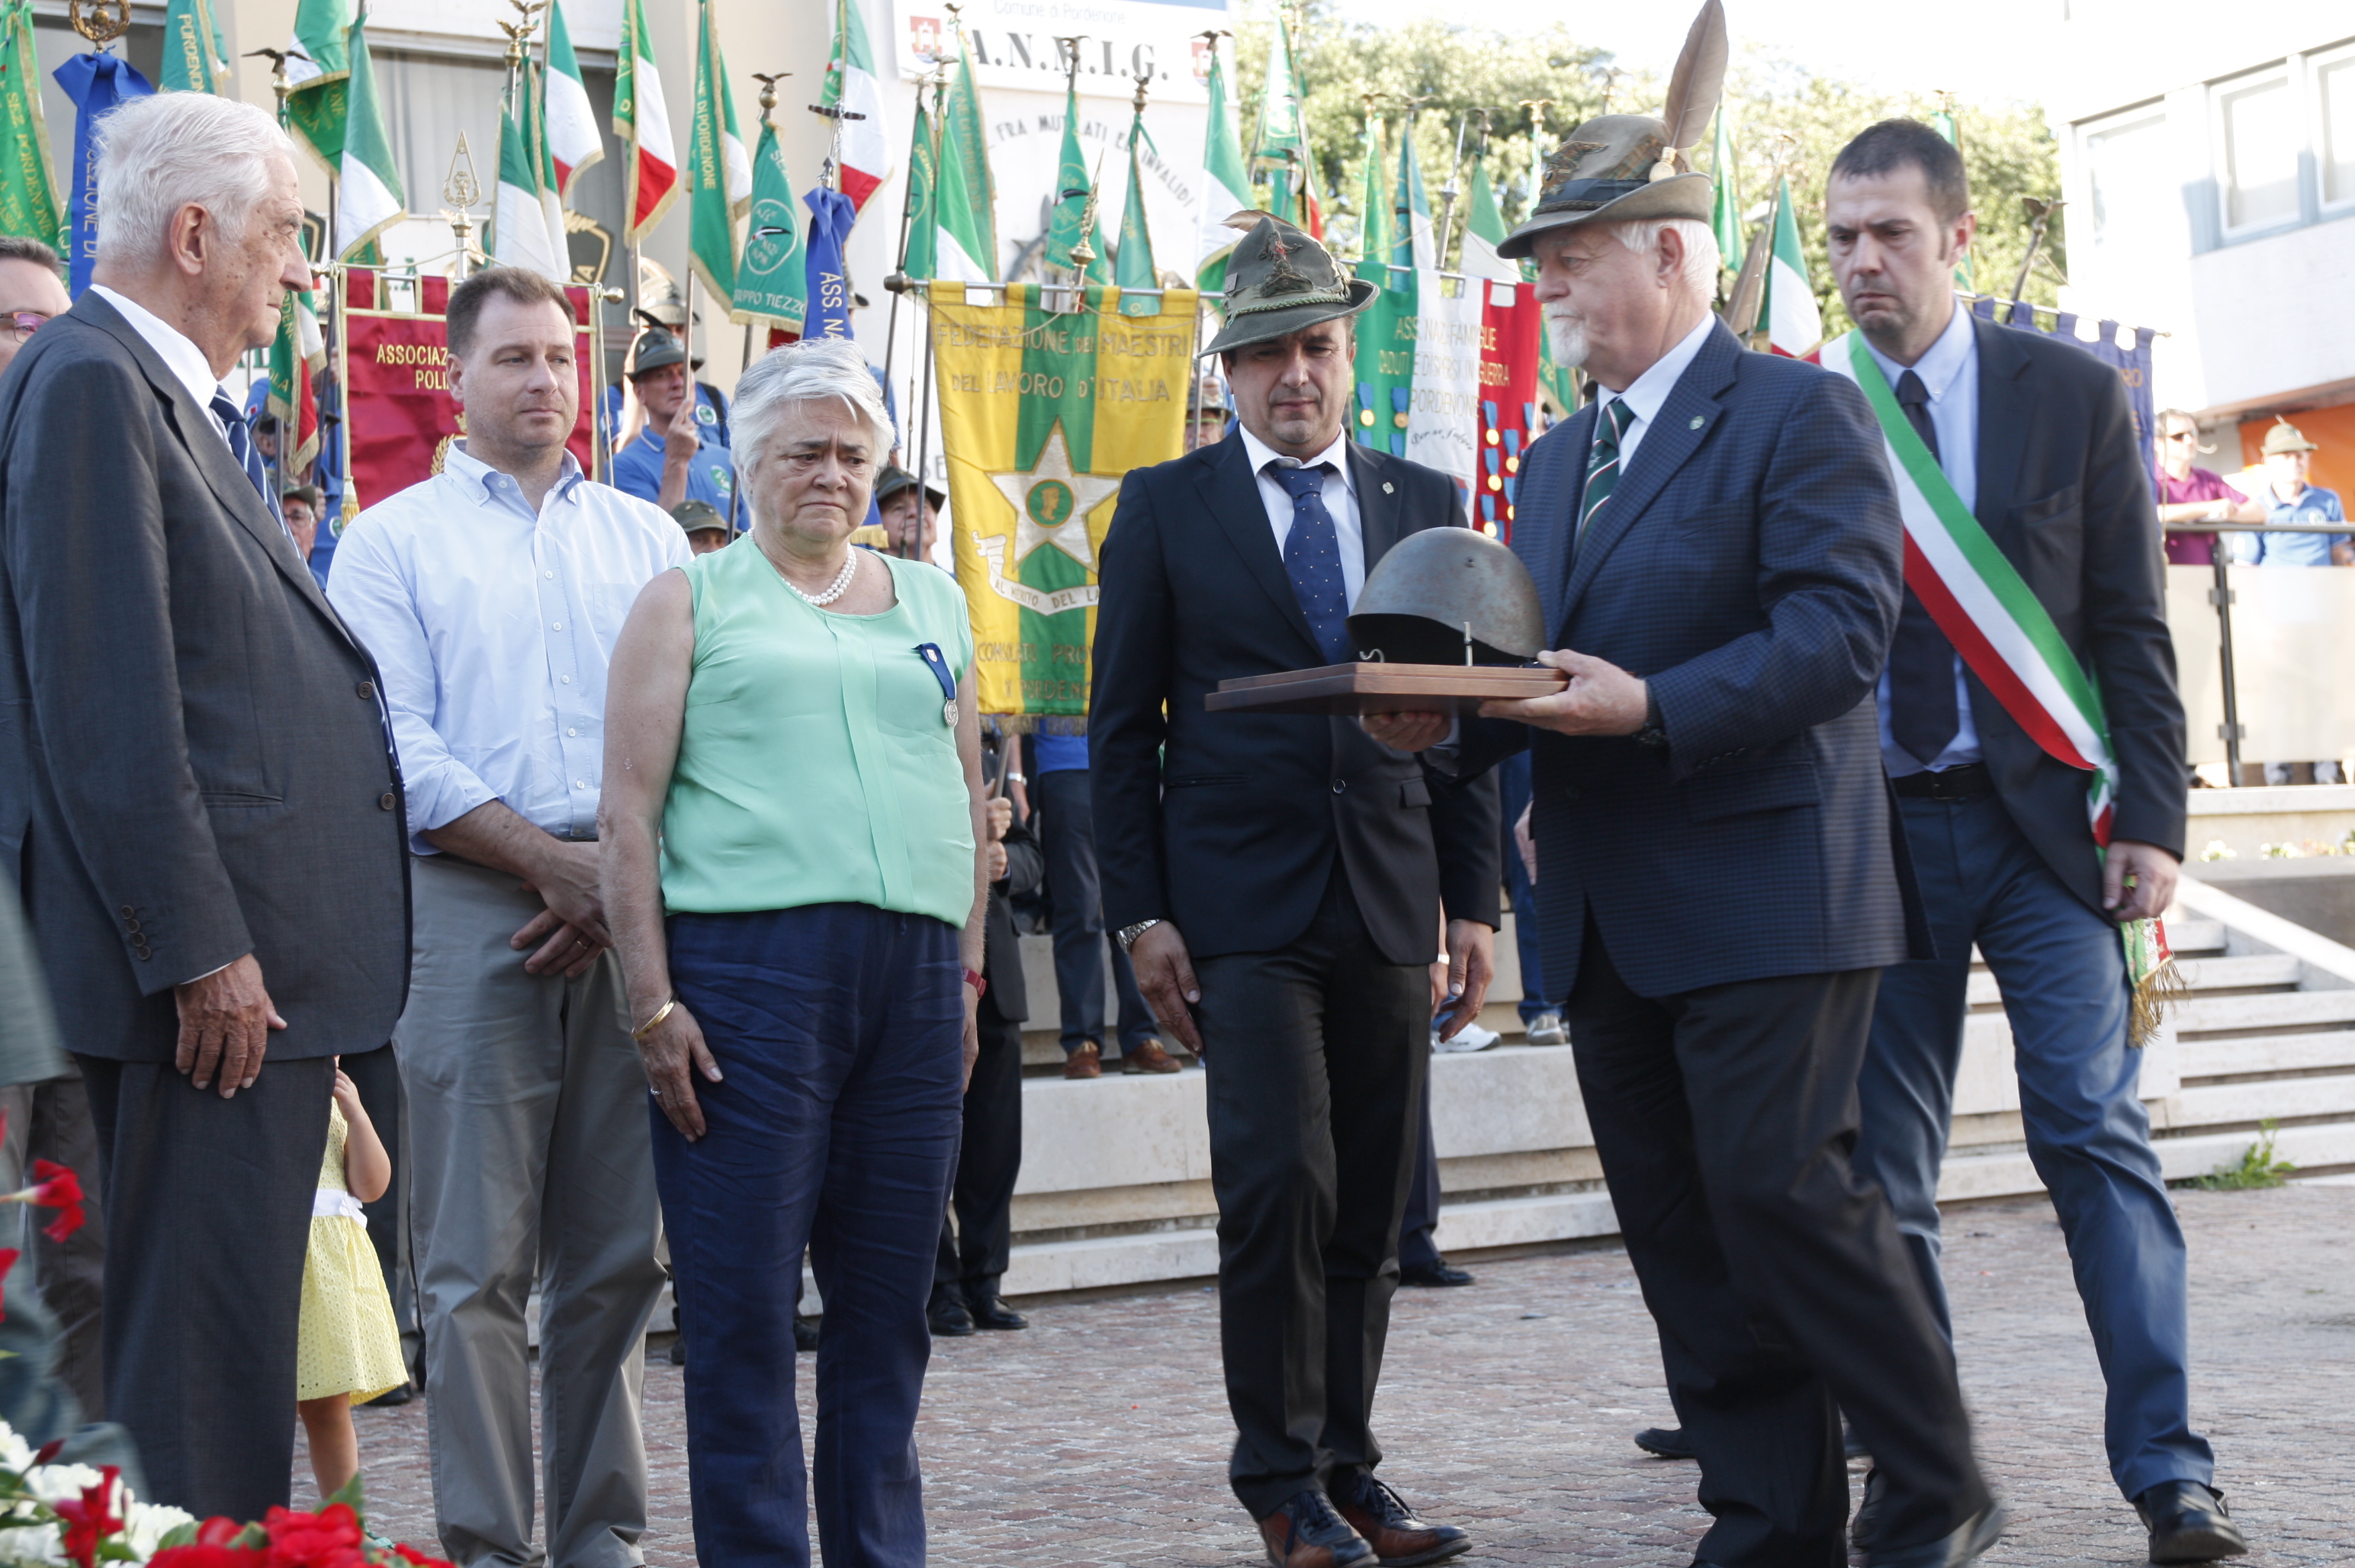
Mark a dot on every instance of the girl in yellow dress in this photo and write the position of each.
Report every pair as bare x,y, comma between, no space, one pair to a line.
349,1350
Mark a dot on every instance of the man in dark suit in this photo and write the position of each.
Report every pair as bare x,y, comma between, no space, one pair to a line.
1278,881
1716,544
200,801
2035,440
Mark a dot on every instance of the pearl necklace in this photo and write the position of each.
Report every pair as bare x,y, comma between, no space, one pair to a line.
840,585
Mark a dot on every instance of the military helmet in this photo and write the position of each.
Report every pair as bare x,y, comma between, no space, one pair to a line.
1435,589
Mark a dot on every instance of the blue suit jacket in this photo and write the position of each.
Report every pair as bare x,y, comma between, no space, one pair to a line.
1749,567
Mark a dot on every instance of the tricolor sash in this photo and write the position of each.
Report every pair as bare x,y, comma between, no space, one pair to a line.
2000,628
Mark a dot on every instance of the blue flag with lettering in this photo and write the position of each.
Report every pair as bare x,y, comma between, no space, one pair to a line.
831,216
2130,359
96,82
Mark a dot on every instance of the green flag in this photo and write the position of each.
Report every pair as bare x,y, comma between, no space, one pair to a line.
1136,269
368,198
965,198
718,175
1074,187
1413,243
1385,360
772,276
316,103
28,187
1725,214
193,55
923,219
1943,121
519,234
1281,148
1227,188
1484,230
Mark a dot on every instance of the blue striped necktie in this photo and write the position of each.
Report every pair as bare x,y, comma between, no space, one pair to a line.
1602,466
241,446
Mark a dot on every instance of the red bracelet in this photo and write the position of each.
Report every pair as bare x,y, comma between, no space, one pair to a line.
980,984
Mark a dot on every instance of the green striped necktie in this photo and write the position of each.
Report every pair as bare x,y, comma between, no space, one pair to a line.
1602,468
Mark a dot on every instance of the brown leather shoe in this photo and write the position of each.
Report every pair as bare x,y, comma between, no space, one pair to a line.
1399,1539
1306,1534
1085,1063
1148,1057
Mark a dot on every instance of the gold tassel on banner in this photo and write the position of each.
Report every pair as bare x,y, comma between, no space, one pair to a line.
2157,983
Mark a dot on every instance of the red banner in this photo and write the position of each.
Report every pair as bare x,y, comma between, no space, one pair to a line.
1509,323
398,417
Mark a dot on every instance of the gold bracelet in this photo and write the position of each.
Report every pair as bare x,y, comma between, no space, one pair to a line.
647,1027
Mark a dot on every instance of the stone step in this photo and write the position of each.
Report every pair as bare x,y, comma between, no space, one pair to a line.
2192,937
2244,1056
2235,1104
2248,972
2246,1015
2011,1175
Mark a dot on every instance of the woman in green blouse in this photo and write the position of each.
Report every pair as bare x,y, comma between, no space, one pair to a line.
790,823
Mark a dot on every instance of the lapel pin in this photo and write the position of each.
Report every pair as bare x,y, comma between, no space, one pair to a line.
1697,422
1388,487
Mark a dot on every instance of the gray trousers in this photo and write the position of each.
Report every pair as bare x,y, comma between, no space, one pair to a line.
51,1121
528,1136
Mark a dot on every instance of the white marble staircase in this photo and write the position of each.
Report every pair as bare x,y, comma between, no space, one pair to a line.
1115,1179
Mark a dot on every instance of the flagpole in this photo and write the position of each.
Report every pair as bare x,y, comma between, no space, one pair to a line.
896,283
1449,192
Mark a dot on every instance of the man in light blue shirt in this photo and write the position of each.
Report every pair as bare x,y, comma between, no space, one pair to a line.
492,596
2291,502
682,453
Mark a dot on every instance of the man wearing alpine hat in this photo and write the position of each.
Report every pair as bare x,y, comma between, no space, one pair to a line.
1278,881
2027,494
1717,546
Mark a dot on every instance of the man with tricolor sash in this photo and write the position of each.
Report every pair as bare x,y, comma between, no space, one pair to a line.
2031,725
1717,550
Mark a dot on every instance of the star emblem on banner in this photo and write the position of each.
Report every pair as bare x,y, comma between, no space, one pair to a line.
1051,503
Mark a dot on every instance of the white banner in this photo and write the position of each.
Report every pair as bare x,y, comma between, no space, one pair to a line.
1442,420
1013,44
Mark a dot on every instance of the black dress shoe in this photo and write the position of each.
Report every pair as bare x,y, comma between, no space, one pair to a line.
948,1317
1437,1272
2189,1523
1969,1541
990,1311
804,1333
1664,1442
1400,1539
1307,1533
400,1395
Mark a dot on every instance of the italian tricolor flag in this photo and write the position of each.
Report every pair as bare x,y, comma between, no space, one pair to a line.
641,120
850,83
573,142
297,356
1226,190
368,199
1794,326
964,196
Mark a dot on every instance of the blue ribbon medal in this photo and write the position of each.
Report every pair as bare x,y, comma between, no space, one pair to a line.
935,661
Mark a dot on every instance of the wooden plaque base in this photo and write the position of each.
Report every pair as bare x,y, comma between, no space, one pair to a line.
1383,688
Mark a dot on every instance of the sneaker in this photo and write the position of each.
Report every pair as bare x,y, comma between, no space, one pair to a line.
1547,1029
1473,1038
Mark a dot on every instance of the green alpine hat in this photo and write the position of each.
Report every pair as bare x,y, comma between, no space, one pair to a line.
1280,280
1619,168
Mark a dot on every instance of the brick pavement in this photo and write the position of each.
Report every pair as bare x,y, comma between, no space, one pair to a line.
1097,1439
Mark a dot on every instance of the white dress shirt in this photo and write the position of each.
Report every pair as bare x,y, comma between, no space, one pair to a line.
1340,499
1949,369
492,627
1647,392
179,353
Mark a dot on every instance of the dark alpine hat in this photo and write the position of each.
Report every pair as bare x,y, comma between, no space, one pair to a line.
1279,281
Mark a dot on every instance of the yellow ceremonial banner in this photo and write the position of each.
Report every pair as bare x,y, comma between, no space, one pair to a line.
1042,412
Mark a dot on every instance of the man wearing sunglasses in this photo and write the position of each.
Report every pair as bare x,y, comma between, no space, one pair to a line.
2193,495
31,292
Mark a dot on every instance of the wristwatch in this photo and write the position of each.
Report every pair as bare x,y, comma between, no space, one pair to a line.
1127,935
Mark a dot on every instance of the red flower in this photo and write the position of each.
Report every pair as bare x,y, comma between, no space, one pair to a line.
328,1539
91,1518
56,1188
219,1531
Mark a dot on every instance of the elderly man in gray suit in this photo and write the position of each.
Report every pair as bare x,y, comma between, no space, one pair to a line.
196,794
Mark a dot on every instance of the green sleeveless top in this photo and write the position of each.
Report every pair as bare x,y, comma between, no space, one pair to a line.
813,763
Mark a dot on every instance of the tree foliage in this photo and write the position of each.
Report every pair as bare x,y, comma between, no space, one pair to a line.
1783,113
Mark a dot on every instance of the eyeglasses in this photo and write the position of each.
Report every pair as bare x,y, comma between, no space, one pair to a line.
28,322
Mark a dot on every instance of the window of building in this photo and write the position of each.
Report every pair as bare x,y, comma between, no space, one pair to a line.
2257,163
2334,93
2133,191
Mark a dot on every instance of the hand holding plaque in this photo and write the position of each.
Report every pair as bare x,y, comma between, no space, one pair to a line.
1448,619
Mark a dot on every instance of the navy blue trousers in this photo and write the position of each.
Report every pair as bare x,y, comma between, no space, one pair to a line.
2062,975
838,1030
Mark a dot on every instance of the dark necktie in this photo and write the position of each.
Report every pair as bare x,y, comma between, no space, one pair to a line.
1923,716
1602,463
1312,559
241,446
